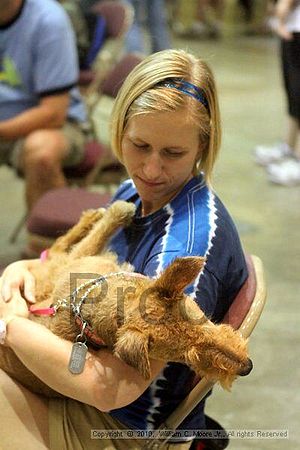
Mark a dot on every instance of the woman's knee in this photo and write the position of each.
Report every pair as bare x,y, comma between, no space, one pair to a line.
23,416
9,388
6,382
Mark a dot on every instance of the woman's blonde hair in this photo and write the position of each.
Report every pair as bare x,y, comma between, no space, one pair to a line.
144,92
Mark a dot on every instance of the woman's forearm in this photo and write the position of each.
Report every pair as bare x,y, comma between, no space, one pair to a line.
46,355
283,8
106,382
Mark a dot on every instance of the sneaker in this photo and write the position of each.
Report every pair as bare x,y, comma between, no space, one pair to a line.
264,155
199,28
287,173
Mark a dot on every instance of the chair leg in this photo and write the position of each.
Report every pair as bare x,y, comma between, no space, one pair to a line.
16,231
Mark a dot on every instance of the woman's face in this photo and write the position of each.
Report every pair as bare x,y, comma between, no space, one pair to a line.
159,152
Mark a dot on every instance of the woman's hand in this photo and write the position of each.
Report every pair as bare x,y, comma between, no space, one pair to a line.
17,282
282,11
283,32
15,307
17,287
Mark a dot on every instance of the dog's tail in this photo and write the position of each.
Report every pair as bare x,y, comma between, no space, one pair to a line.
119,214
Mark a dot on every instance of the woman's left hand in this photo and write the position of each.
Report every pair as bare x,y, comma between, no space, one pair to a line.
16,307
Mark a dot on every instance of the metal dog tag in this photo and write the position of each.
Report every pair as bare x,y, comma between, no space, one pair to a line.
77,358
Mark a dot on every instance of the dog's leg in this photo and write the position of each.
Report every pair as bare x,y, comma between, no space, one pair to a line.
118,214
78,231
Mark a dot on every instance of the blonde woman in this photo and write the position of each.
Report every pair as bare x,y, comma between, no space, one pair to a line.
166,131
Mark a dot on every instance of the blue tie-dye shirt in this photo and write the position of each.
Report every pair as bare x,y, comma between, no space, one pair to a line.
195,222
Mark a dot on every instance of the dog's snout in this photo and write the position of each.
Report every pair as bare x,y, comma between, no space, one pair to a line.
246,369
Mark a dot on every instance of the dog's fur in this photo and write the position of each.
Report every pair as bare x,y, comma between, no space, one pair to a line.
138,318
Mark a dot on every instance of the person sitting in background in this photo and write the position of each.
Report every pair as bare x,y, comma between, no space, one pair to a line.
41,111
283,160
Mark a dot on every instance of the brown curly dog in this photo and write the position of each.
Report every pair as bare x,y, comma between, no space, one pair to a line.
87,297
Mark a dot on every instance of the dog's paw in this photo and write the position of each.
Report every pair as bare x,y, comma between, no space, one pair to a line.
122,211
93,215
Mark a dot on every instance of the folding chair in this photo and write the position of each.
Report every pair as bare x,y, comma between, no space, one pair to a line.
56,212
100,98
98,156
243,316
118,17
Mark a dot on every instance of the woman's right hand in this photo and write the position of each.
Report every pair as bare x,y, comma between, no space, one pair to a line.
17,281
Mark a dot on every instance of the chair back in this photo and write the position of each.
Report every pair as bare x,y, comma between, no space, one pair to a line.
118,16
242,315
101,101
247,307
116,76
99,164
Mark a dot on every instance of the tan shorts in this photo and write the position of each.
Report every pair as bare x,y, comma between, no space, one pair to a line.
71,424
10,151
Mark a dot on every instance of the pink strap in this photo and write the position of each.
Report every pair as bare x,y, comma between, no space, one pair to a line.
42,311
44,255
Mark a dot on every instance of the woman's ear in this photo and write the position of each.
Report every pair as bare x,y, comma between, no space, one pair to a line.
198,160
201,149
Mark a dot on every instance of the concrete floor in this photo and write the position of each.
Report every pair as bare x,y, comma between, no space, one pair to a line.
252,105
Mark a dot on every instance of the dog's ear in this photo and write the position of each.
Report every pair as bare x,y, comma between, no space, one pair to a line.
179,274
132,347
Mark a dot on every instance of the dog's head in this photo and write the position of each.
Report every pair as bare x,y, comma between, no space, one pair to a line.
219,353
163,310
168,325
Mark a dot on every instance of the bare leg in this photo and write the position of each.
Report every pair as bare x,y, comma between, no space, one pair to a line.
23,417
44,151
219,7
293,134
297,145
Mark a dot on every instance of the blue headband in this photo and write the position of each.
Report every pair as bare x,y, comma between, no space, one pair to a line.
188,88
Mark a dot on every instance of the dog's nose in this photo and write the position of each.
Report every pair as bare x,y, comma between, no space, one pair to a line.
246,369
